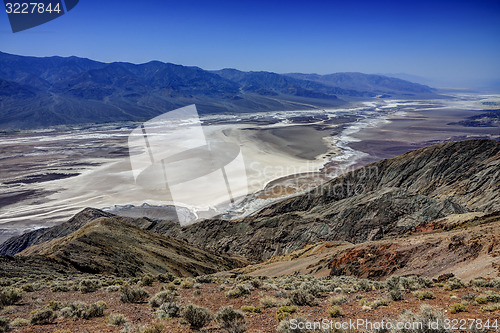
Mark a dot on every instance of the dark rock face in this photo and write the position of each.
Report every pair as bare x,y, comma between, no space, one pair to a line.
390,197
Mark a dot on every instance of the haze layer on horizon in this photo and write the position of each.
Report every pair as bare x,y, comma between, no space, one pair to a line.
454,42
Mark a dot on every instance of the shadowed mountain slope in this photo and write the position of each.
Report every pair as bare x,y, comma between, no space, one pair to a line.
18,243
466,245
386,198
108,245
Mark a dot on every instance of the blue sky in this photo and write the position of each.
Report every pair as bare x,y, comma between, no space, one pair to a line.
454,40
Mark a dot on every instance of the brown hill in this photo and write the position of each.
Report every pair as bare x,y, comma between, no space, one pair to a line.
108,245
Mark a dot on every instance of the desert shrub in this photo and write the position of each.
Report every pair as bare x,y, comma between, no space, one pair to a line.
249,308
59,287
5,282
269,286
177,281
285,311
196,316
492,297
116,319
42,316
366,285
167,310
469,297
165,277
415,282
89,286
205,279
154,328
302,297
28,287
392,283
336,300
481,299
335,311
458,307
490,308
238,291
256,283
423,294
165,296
112,288
187,284
268,302
479,282
454,283
427,314
146,280
19,322
395,295
4,324
231,320
10,296
378,303
81,310
130,295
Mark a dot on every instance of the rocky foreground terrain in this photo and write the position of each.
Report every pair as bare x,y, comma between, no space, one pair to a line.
412,239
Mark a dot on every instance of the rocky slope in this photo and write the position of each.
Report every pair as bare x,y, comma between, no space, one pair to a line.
109,245
387,198
466,245
413,192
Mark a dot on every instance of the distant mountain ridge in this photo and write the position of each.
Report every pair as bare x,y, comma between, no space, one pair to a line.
41,92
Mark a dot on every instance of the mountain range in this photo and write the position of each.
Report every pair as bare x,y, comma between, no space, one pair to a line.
40,92
429,211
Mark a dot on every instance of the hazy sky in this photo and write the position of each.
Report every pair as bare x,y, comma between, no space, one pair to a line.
448,39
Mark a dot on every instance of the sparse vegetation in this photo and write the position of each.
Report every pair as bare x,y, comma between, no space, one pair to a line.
336,300
196,316
249,308
116,319
238,291
167,310
81,310
454,283
396,295
423,294
4,324
165,296
42,316
231,320
302,297
458,307
131,295
89,286
285,311
10,296
335,311
268,302
19,322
